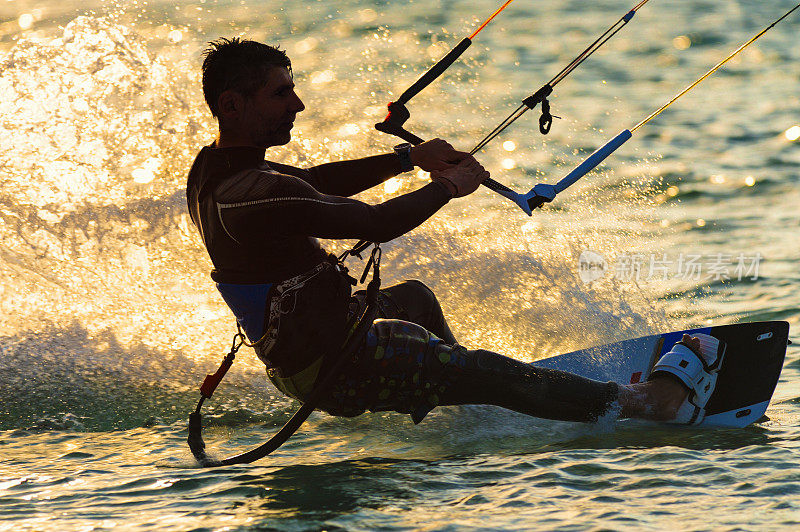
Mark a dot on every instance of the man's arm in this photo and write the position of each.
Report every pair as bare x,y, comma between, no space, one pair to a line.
259,204
346,178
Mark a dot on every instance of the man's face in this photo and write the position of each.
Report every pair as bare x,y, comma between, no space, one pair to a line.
268,115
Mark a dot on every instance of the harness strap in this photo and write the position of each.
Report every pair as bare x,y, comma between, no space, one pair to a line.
359,327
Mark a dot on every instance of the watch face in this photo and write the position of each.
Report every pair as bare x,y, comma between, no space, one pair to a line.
403,151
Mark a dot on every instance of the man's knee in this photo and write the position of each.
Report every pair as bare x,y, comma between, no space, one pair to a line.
413,297
423,293
413,301
419,285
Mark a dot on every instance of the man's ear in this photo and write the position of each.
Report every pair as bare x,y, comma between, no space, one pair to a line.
231,105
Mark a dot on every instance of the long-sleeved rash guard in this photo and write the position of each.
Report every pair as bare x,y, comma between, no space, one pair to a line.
260,222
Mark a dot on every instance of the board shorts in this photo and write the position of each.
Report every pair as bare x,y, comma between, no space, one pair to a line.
401,365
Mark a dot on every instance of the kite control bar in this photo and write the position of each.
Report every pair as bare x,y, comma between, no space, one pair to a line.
540,194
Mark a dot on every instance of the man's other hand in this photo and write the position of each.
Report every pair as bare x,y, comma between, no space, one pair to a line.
435,155
463,178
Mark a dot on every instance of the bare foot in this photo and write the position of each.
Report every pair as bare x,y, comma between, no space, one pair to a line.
658,399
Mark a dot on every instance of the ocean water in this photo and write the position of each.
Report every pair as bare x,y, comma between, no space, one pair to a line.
109,320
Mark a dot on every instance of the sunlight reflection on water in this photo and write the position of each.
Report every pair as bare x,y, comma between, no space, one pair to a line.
109,319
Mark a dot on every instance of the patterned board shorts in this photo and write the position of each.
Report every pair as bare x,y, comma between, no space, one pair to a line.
401,366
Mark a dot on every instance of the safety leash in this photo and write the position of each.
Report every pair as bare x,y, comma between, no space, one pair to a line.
359,325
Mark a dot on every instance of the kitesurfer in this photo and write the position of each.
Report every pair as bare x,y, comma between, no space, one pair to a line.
260,222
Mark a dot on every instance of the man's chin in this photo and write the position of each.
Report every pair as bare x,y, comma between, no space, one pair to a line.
278,139
285,140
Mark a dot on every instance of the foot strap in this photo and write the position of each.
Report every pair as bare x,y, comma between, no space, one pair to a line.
697,370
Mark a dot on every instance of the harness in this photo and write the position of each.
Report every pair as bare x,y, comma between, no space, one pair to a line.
358,325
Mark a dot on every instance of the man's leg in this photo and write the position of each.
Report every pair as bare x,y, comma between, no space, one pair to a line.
490,378
484,377
451,375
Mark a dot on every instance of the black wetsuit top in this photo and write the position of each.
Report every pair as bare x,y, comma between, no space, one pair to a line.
260,222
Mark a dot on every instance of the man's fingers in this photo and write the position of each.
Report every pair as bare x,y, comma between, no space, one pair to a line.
469,161
472,164
437,154
443,143
460,155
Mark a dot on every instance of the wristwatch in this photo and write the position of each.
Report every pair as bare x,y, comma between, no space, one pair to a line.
403,151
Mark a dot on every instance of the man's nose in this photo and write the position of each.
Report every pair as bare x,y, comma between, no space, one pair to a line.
298,104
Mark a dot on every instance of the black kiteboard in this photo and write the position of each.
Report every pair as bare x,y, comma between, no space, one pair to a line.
746,382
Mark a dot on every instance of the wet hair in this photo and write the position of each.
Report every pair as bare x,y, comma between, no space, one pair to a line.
240,65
